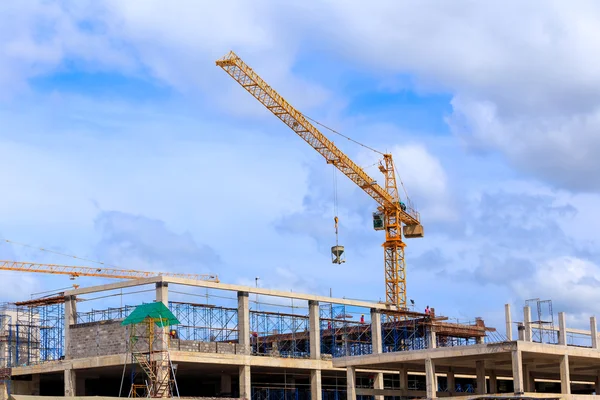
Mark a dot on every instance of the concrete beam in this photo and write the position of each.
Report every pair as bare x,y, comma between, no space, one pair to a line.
230,287
376,331
315,330
508,316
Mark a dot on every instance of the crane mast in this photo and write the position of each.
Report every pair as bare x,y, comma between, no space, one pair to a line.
392,213
77,271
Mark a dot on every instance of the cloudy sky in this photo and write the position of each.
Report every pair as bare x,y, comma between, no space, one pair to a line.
123,142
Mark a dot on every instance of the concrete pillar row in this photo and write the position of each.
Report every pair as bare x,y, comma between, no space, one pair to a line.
430,379
315,329
565,375
244,321
517,370
594,332
376,338
509,335
162,293
480,372
350,383
562,329
70,381
316,392
70,319
527,323
245,382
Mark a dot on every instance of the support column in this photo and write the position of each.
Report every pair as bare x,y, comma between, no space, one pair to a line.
245,381
517,369
597,386
594,332
35,384
480,371
430,379
527,387
350,383
432,342
162,292
493,382
508,316
451,381
70,379
565,376
315,330
226,384
562,329
527,323
244,322
3,390
376,340
316,392
404,380
70,319
378,384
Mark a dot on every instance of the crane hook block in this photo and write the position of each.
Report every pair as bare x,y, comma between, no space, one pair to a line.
337,255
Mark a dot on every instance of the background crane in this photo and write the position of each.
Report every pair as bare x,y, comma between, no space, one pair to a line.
77,271
397,219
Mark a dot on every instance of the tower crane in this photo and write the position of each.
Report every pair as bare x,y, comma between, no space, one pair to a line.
77,271
397,219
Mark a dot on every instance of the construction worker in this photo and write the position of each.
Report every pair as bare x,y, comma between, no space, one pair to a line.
362,318
427,311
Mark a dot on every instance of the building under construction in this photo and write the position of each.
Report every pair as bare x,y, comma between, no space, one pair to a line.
220,340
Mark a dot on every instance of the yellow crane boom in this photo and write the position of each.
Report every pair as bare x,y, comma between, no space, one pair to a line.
394,212
77,271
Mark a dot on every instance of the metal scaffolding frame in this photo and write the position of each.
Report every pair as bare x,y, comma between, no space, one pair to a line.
341,336
204,322
107,314
279,334
543,319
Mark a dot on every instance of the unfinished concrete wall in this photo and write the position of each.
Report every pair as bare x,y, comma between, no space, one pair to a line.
97,339
208,347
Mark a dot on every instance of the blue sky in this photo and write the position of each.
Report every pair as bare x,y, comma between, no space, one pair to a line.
123,142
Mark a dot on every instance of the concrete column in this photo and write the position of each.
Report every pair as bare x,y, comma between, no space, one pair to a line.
597,386
562,329
517,369
70,380
316,392
350,383
378,384
70,319
226,384
244,321
520,331
480,371
430,379
594,332
527,323
404,381
245,381
3,391
432,342
565,376
493,382
315,330
162,292
35,384
527,379
451,381
376,331
508,316
480,340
